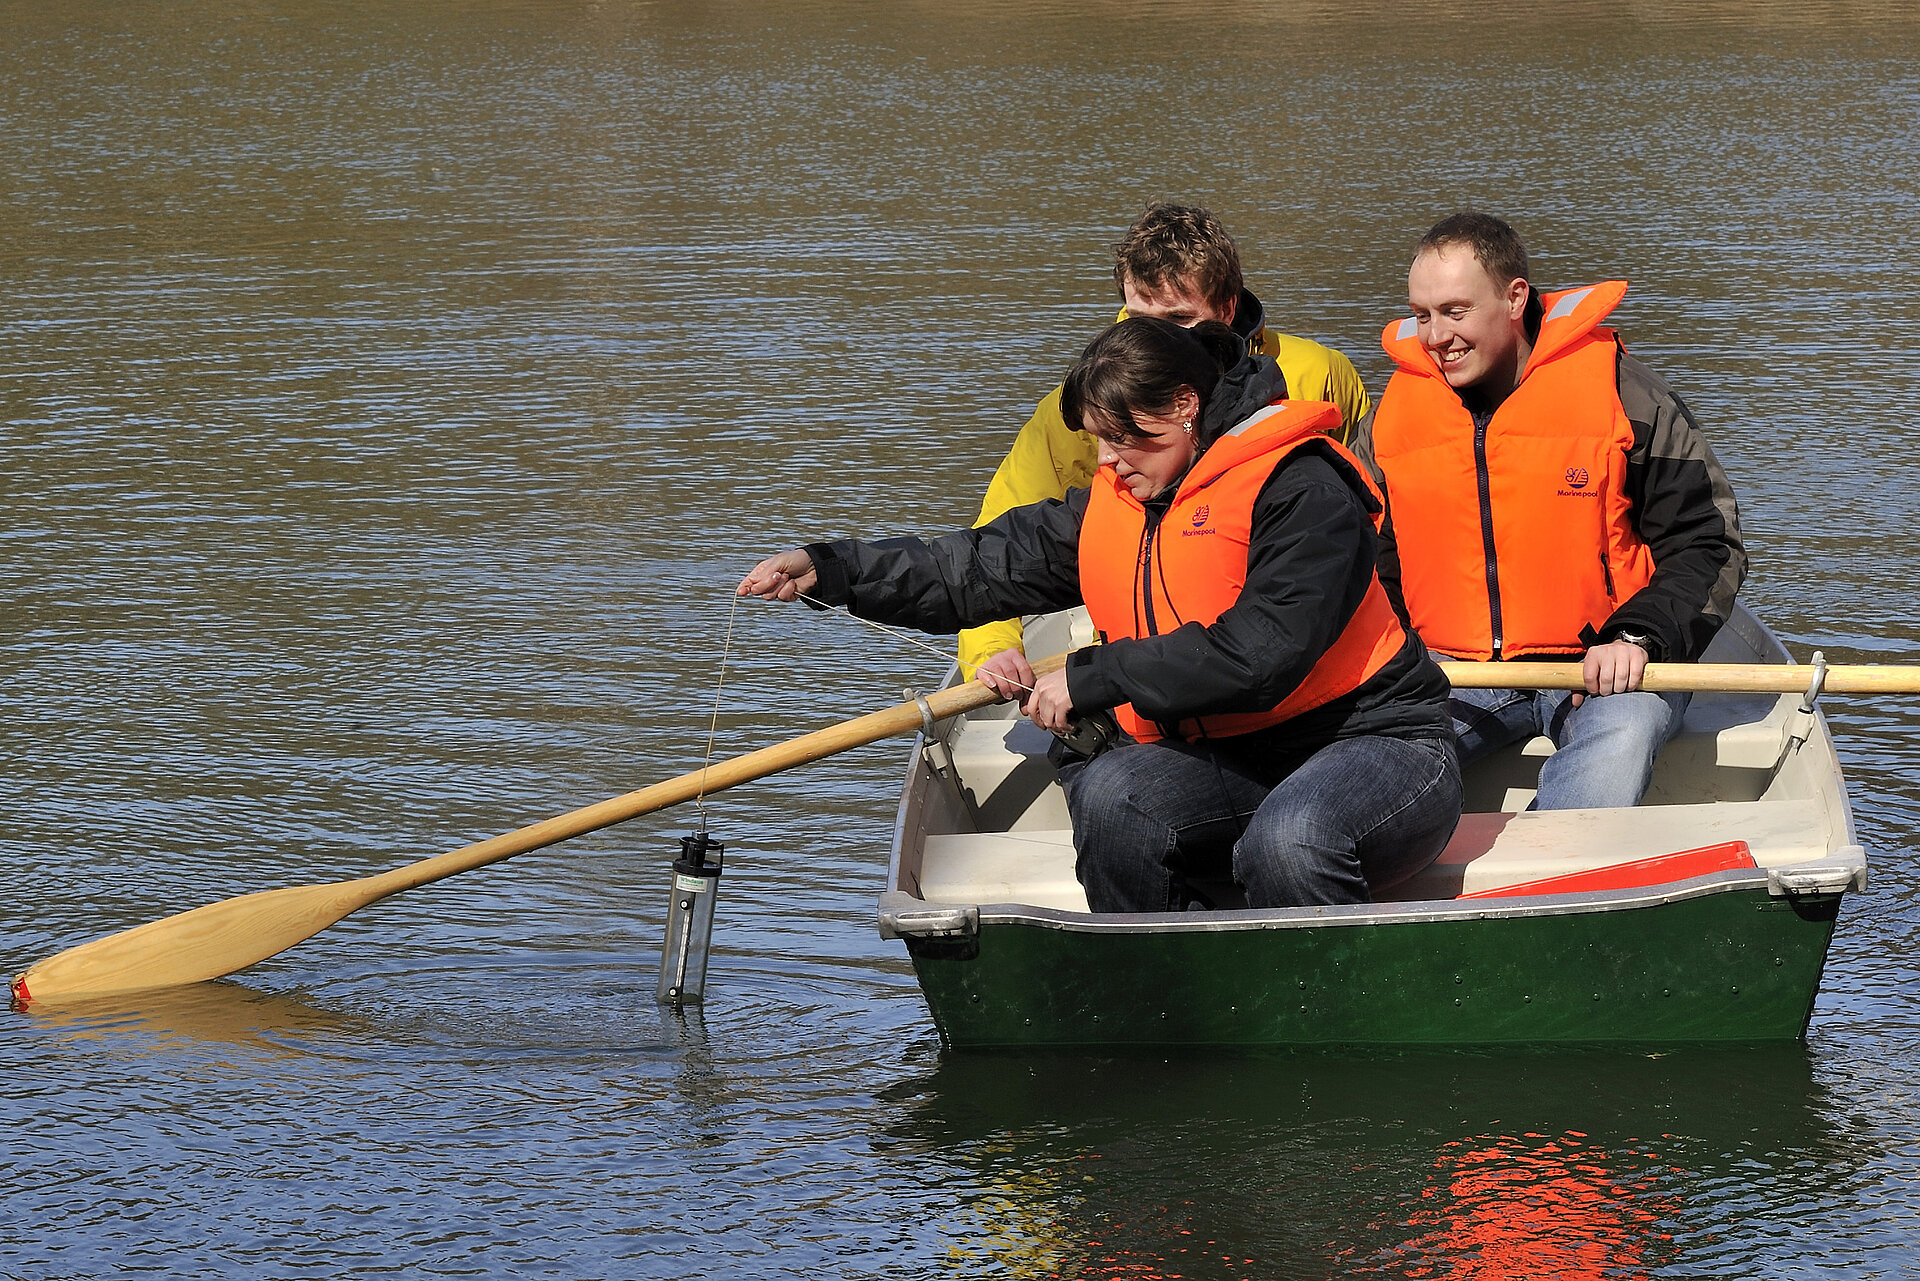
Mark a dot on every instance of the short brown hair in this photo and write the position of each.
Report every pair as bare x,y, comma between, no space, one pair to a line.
1179,243
1495,245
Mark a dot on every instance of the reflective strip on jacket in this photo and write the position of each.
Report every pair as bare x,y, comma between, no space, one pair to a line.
1516,538
1145,578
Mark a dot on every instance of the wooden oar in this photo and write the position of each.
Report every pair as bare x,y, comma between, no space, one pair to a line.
1751,678
215,940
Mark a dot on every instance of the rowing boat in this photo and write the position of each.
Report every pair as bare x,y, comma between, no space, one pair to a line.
1703,914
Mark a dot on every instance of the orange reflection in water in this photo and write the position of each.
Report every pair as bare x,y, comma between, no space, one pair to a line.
1536,1205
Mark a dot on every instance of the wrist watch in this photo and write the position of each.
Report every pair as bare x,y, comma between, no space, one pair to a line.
1641,639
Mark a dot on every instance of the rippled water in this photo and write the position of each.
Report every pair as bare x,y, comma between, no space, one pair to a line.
391,395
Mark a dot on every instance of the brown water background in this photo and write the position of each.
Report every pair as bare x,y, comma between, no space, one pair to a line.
391,395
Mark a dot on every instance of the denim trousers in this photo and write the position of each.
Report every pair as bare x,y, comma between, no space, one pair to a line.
1603,749
1170,826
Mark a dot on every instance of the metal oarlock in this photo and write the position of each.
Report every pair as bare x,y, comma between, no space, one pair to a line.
696,883
1800,724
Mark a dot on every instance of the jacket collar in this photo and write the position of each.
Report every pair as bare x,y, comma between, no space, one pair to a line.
1242,391
1567,316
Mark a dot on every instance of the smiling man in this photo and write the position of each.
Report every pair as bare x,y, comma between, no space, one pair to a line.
1176,263
1548,497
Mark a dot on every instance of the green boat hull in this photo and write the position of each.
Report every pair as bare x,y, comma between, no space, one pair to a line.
1722,960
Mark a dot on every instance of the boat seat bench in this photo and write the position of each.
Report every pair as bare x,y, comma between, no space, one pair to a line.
1488,850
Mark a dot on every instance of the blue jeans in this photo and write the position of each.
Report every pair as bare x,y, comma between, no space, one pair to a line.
1603,749
1168,826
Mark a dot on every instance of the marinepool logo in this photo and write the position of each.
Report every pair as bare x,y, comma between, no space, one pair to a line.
1577,481
1201,515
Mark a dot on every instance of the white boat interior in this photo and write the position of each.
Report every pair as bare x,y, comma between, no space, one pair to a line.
985,821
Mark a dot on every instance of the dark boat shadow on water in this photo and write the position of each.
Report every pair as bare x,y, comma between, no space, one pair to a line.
1459,1164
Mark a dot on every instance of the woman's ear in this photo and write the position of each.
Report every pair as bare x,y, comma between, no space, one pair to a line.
1186,405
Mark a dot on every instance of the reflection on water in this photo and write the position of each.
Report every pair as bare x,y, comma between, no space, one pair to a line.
1565,1164
219,1014
1531,1204
388,398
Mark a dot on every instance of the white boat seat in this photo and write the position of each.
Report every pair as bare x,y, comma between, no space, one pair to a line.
1729,750
1493,850
1034,867
1487,851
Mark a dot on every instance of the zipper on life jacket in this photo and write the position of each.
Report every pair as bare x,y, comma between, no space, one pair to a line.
1146,624
1486,531
1606,571
1143,575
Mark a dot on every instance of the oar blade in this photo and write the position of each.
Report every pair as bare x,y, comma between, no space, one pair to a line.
204,943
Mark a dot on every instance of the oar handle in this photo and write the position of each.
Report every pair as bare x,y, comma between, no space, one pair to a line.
1748,678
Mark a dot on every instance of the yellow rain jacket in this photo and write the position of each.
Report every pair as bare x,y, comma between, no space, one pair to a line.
1048,458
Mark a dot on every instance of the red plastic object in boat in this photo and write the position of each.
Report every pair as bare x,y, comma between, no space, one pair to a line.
1657,870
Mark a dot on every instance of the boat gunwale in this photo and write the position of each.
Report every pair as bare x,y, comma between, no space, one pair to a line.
1850,859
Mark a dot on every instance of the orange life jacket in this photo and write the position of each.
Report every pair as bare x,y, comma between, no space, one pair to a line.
1189,566
1518,538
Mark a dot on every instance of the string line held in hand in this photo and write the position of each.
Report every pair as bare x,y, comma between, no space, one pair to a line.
902,636
713,725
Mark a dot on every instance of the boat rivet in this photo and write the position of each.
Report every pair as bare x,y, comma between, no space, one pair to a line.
1303,982
1527,1000
1456,1000
975,998
686,905
1736,991
1666,991
1778,961
1596,996
1163,1014
1457,979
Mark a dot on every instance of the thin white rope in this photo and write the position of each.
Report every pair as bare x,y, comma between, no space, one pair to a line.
713,725
901,636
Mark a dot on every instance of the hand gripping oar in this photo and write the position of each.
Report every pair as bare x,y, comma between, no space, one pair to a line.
208,942
1731,678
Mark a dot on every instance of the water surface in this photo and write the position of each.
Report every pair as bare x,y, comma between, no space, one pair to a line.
391,397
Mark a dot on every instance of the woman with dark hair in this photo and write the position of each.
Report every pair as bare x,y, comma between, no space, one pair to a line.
1281,733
